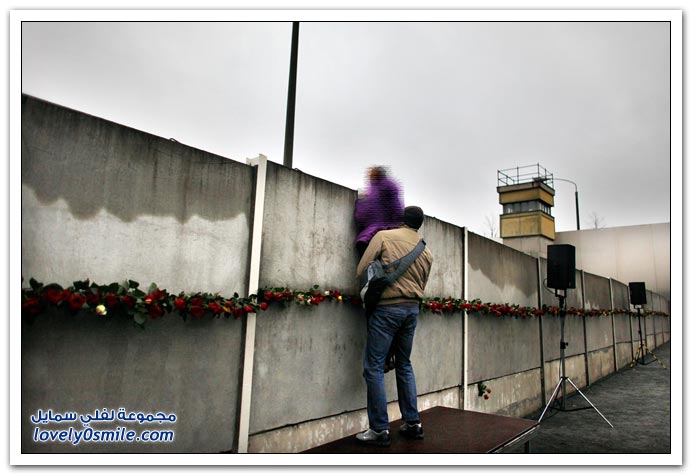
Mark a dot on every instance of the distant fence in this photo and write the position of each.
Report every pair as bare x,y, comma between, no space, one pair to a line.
109,203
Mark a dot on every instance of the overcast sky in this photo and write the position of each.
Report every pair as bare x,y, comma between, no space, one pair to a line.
444,105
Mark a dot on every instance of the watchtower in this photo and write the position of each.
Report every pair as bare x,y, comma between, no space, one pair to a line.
526,195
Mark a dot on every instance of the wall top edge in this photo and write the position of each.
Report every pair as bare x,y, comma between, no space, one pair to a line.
27,98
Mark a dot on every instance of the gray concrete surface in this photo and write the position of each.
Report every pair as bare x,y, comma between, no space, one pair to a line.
635,400
84,363
500,274
107,202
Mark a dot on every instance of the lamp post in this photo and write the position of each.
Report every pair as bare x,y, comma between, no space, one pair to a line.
291,104
576,197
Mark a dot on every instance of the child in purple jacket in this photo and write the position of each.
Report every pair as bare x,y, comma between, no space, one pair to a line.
381,208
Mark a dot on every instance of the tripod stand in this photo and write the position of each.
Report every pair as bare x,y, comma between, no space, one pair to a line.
561,384
643,349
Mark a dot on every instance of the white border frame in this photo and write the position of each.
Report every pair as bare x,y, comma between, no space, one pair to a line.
17,16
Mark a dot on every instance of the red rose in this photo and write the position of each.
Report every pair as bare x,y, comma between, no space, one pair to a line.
485,396
111,300
263,305
31,307
180,303
215,308
53,295
76,301
196,311
197,301
237,312
488,390
335,293
128,300
155,311
268,295
248,309
154,296
92,298
287,294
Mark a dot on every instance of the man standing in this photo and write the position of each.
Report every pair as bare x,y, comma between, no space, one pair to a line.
393,322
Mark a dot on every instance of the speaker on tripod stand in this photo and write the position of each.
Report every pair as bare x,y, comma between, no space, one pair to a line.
638,300
561,276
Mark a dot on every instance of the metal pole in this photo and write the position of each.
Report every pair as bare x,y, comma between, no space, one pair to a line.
576,197
563,346
291,105
641,342
576,201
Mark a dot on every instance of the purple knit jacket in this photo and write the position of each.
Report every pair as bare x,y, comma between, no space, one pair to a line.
381,209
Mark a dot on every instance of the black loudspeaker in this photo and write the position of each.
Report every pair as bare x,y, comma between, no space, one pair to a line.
561,266
637,293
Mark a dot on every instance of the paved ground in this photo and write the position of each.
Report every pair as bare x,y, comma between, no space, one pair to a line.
636,401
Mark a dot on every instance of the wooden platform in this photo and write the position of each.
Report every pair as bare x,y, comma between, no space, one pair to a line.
447,431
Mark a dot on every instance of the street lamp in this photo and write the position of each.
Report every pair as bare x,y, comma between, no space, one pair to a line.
576,197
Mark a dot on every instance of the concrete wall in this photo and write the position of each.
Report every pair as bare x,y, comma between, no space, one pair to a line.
599,330
628,253
84,363
93,190
622,325
500,274
107,202
503,347
308,233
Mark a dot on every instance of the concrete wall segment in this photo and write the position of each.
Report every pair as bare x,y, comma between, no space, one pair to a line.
82,363
446,242
500,274
93,190
596,292
309,232
500,346
621,296
599,332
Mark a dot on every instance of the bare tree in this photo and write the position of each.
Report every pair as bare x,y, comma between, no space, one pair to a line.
597,222
491,227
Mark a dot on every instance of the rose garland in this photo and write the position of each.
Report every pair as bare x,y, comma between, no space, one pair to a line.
127,298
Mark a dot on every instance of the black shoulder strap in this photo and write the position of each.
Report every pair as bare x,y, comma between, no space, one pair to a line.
400,265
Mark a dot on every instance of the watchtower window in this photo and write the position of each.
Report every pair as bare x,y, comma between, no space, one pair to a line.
525,207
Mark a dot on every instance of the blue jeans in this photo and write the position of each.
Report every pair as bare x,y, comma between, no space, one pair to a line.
390,325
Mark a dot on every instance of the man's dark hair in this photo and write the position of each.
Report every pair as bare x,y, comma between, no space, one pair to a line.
413,217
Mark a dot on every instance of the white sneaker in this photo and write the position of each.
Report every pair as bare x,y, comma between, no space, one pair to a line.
373,437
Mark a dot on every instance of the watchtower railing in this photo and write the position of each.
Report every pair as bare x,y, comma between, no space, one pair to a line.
524,174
